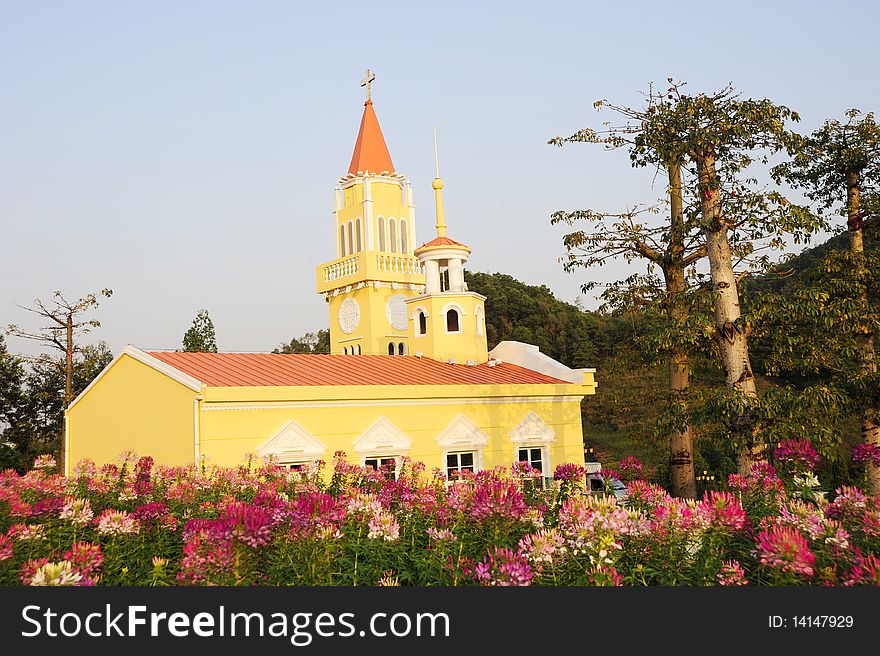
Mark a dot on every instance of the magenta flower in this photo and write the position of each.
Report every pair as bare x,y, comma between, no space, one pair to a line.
797,455
245,523
207,562
504,567
142,485
569,472
725,510
732,574
783,548
866,571
85,557
867,453
5,547
152,515
631,467
497,498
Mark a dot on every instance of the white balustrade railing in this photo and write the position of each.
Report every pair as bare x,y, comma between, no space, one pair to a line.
341,269
398,263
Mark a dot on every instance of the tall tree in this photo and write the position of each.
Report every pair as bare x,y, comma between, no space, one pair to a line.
838,166
200,337
722,135
41,420
66,323
672,246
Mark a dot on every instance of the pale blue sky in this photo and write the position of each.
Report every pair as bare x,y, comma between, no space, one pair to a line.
185,153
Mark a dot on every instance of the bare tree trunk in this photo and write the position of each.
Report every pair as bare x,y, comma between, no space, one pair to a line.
730,335
871,416
68,373
681,443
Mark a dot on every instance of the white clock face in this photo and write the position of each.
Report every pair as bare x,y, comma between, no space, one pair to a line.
349,315
395,312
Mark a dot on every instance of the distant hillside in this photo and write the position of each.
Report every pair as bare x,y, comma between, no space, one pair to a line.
782,276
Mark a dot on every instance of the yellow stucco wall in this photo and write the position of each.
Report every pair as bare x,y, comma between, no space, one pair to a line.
374,331
132,406
231,428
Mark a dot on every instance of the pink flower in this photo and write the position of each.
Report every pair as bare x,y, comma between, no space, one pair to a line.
725,510
85,557
631,467
865,452
384,526
5,547
569,472
207,562
866,571
785,549
797,455
497,498
504,567
543,546
116,522
77,511
732,573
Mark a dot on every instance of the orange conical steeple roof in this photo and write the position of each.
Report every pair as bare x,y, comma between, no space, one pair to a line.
370,152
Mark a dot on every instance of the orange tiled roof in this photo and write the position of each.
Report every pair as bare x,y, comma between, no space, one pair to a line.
370,152
276,369
442,241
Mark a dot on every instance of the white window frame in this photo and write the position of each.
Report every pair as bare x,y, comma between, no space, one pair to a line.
533,433
462,436
380,458
461,316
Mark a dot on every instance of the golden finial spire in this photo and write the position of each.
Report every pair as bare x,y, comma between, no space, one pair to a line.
437,184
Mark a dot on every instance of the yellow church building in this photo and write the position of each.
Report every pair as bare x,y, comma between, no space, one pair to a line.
409,373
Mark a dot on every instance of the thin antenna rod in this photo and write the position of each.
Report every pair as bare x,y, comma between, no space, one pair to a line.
436,157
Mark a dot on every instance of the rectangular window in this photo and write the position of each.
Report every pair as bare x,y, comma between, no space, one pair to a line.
388,465
457,462
533,456
444,279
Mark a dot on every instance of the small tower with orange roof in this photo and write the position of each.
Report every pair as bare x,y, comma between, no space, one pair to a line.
375,271
447,322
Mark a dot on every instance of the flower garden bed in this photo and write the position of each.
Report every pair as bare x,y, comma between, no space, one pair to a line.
139,524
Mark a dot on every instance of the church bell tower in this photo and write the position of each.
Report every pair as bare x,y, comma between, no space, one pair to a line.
375,271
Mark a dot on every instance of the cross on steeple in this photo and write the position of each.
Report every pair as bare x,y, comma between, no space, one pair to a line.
369,77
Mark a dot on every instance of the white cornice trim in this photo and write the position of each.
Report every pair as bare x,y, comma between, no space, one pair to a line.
150,361
220,406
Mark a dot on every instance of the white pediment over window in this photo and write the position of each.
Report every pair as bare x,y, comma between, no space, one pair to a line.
462,433
293,441
532,430
383,437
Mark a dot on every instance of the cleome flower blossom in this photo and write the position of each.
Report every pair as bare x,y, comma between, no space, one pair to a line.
77,511
732,574
116,522
384,526
498,498
866,453
60,573
796,455
504,567
725,510
783,548
544,547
